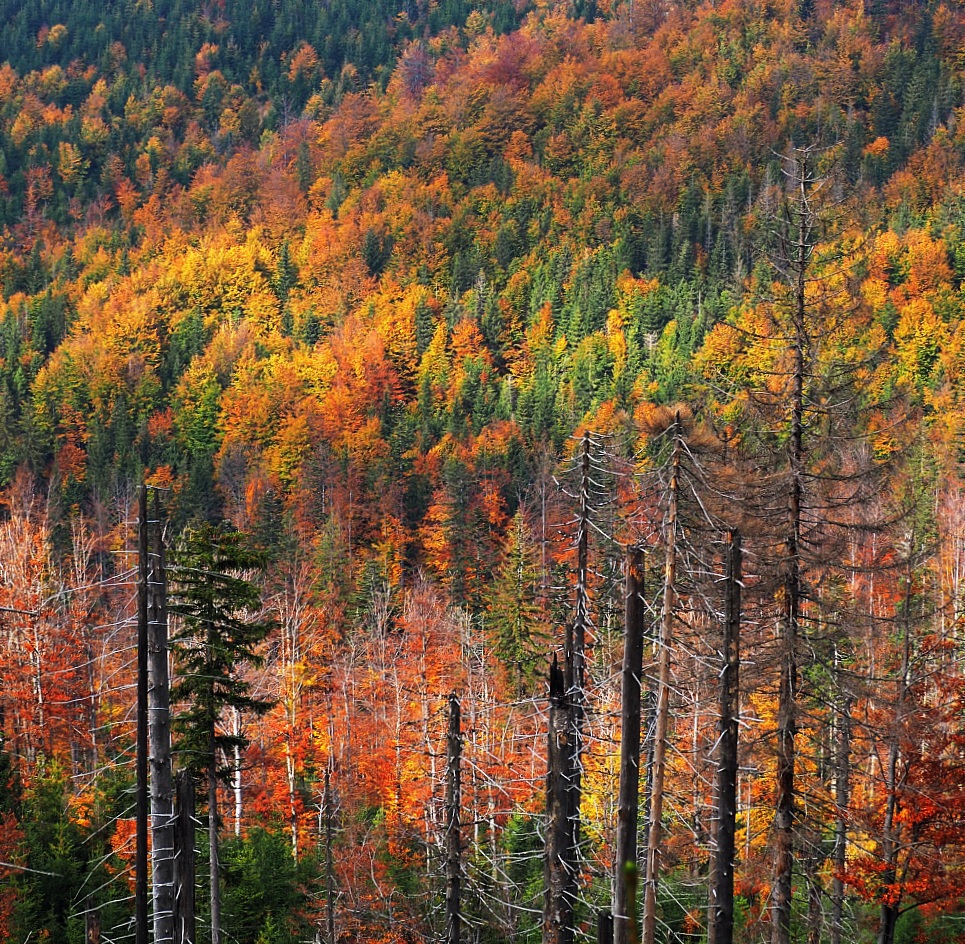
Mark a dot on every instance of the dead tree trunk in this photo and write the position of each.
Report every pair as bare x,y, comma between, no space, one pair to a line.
558,882
842,797
629,797
141,809
575,664
92,925
799,249
159,735
722,874
453,837
329,869
564,774
184,858
890,840
214,865
815,916
663,701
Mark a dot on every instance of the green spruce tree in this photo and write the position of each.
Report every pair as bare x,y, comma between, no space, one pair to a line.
215,637
514,611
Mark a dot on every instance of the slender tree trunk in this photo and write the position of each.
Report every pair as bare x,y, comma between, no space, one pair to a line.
291,697
889,920
159,730
624,923
39,644
575,665
815,919
91,661
787,695
185,931
292,807
842,798
564,775
786,752
890,845
453,837
663,703
237,785
92,925
558,900
721,929
649,723
329,868
215,868
141,811
212,764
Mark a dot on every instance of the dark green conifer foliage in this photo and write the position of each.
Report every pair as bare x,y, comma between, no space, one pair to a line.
215,636
514,611
66,864
286,273
265,898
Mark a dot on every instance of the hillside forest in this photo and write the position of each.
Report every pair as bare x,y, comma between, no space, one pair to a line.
428,325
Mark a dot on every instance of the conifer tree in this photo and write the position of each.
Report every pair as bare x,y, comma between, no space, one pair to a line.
216,636
514,611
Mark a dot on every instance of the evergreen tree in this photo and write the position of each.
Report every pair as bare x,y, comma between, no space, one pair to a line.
515,613
216,636
265,898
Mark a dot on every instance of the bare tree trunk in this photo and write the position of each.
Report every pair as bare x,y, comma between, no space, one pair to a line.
889,833
215,869
889,845
159,732
92,925
453,837
802,247
663,703
721,929
141,812
842,797
185,931
815,919
564,775
786,760
624,923
292,807
237,785
558,899
329,869
575,664
214,866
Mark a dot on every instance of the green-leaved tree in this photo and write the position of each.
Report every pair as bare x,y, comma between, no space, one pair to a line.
216,635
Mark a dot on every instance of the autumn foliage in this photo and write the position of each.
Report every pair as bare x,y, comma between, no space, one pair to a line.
351,276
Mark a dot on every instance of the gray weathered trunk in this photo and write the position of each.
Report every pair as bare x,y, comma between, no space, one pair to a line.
185,930
662,719
159,736
141,776
559,881
628,803
721,929
453,833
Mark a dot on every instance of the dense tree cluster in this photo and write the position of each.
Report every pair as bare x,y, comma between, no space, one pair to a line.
351,276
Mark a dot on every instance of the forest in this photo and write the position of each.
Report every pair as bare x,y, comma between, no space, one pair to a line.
446,358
